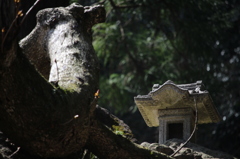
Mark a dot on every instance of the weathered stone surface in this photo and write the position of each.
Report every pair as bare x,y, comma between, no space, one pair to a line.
158,147
145,144
190,151
164,149
184,116
195,150
172,96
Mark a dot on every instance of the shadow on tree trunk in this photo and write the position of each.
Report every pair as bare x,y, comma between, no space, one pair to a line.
48,101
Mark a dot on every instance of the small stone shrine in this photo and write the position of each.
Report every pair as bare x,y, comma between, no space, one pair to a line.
173,108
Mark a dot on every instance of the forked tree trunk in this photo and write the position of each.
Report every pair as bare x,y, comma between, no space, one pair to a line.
48,87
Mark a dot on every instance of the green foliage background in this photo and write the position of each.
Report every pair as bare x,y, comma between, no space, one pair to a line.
144,42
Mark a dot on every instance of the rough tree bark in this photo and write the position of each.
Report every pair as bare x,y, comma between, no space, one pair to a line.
48,87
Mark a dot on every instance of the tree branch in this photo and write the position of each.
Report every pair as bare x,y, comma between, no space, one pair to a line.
106,144
29,11
48,91
36,110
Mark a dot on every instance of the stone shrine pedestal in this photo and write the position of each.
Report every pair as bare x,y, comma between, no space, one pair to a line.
175,123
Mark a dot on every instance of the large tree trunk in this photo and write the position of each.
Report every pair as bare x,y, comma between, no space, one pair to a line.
48,86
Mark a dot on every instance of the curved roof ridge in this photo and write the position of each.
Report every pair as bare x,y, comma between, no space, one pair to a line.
170,95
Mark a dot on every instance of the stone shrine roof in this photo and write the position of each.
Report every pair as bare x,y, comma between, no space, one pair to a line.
172,96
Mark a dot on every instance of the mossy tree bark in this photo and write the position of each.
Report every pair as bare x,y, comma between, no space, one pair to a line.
48,85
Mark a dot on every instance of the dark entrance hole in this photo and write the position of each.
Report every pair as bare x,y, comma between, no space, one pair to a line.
175,130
